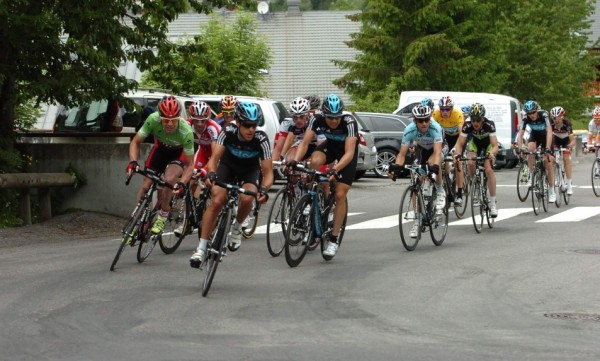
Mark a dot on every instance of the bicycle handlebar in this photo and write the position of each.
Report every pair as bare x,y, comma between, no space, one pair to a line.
150,175
236,188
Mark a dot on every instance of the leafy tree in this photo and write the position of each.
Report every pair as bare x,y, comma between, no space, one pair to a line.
69,51
225,59
469,45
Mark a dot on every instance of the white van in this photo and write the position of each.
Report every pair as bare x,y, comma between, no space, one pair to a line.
504,111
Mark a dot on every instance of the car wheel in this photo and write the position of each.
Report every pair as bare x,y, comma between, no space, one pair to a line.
359,174
385,157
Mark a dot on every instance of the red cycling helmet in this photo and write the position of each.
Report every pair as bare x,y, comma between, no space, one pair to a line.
169,107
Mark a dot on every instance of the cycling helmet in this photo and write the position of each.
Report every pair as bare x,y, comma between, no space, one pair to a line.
200,109
332,106
428,102
466,110
299,106
228,102
477,111
169,107
531,106
246,112
421,111
596,113
314,100
446,102
557,112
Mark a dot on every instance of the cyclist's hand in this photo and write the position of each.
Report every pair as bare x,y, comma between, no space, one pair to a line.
200,174
179,189
548,151
394,171
333,173
263,195
133,166
433,172
291,165
211,177
491,156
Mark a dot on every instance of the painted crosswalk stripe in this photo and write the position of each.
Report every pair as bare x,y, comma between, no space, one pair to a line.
277,227
572,215
378,223
503,213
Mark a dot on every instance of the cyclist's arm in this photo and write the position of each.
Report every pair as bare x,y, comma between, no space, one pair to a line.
188,170
303,147
401,158
289,140
460,143
134,148
571,141
520,138
549,136
281,140
267,170
494,143
349,149
215,157
436,157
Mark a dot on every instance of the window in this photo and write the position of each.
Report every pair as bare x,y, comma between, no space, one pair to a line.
280,111
382,124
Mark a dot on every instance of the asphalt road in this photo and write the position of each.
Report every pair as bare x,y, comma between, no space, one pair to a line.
525,290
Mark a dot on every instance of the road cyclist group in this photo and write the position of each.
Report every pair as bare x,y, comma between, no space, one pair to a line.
213,174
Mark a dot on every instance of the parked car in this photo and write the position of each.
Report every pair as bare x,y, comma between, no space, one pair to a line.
274,111
367,152
387,131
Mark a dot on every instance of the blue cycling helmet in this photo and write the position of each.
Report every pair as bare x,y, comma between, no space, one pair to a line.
531,106
332,106
246,112
428,102
466,110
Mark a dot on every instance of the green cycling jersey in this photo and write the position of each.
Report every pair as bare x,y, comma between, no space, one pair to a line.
182,137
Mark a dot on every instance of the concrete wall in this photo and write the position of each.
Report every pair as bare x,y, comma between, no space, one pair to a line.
102,164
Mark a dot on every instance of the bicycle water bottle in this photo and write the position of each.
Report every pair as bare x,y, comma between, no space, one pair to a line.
426,188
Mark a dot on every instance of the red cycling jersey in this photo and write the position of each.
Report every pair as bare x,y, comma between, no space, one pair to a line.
203,141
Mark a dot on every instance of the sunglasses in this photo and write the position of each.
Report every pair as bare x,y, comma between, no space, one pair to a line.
532,113
476,120
169,120
334,118
249,125
228,112
446,109
299,116
200,120
424,120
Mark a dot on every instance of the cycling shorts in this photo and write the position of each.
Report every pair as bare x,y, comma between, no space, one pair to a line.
231,174
332,154
539,139
160,157
472,147
560,142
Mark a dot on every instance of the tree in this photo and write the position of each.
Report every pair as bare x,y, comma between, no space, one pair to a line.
469,45
224,59
69,51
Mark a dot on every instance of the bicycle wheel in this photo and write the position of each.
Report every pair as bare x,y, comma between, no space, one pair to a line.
596,181
148,240
438,227
490,221
566,196
523,178
462,209
477,205
169,240
299,231
314,243
409,216
544,186
558,185
216,249
279,215
252,220
536,199
130,232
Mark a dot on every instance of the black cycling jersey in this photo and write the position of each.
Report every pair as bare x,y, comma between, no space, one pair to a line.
299,133
336,138
242,153
481,137
561,134
538,126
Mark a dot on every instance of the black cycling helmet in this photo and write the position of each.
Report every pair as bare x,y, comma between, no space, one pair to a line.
246,112
314,100
477,111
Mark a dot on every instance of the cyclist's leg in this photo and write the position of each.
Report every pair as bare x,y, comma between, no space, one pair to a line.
471,153
171,175
460,177
250,181
491,176
341,191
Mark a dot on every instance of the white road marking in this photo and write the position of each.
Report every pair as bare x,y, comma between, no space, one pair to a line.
277,228
503,213
572,215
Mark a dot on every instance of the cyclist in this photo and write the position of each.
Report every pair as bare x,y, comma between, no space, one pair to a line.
540,135
451,120
563,137
593,141
173,137
226,116
299,108
206,132
341,131
427,134
242,153
483,141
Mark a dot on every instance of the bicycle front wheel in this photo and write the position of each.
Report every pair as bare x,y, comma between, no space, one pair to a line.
462,209
596,181
536,193
558,189
438,227
299,231
216,250
477,205
176,227
279,215
523,178
545,187
409,219
249,225
147,243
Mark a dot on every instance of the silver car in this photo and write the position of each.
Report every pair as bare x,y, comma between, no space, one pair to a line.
367,153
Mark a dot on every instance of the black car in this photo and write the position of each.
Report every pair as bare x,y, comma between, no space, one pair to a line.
387,129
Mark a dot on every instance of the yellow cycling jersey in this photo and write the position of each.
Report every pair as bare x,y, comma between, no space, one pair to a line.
452,125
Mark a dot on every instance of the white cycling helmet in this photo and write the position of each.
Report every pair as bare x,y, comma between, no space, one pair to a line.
299,106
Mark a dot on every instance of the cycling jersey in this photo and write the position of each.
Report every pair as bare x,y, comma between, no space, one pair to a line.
424,140
480,139
204,141
182,138
451,125
593,128
564,131
539,125
244,154
336,138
